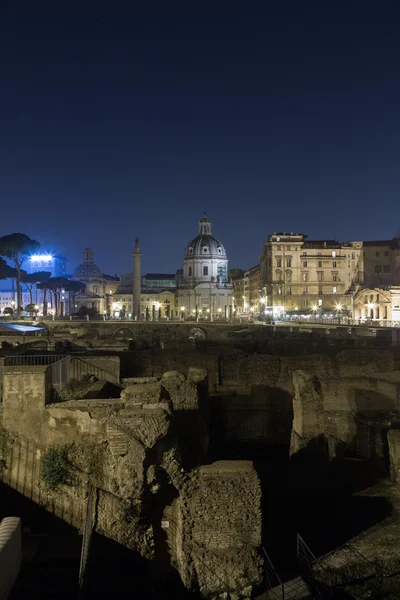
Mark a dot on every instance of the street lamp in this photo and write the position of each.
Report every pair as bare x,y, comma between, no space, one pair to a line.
338,310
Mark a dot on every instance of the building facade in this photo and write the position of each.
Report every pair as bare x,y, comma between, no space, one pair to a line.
238,297
97,294
304,276
52,263
381,263
154,305
204,289
379,298
252,290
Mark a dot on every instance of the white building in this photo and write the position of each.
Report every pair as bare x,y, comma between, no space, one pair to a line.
205,289
9,300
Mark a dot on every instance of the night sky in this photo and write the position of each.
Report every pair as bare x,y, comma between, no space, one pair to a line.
123,119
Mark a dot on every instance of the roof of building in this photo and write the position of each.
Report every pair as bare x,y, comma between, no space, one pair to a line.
205,245
111,277
159,276
394,243
321,244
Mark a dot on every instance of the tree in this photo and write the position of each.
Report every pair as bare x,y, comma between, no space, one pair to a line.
73,288
42,284
8,311
4,269
55,285
7,272
16,247
32,279
85,311
31,308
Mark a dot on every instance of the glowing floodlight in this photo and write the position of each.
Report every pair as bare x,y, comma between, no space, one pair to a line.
41,258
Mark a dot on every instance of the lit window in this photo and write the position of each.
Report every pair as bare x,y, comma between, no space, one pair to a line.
305,276
319,301
334,290
334,254
305,302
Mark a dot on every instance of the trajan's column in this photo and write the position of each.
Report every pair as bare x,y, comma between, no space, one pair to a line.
136,296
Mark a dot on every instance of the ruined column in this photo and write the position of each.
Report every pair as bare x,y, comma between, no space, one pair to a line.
136,291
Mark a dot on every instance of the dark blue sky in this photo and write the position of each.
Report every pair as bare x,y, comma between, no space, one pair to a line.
124,118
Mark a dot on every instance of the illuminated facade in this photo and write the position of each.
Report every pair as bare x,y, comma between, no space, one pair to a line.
310,276
154,305
52,263
204,288
382,304
99,287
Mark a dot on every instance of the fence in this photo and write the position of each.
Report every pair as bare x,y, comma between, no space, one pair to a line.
59,375
32,360
346,321
78,368
306,562
88,527
272,581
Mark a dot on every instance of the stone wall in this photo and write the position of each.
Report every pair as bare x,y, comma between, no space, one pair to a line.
133,451
217,529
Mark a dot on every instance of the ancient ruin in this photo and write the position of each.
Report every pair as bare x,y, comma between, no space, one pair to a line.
195,453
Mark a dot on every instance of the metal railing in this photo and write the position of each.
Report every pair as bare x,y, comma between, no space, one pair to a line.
59,374
88,527
272,581
34,360
306,561
79,368
346,321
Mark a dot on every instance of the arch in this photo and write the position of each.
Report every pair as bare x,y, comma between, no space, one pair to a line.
124,333
278,274
288,275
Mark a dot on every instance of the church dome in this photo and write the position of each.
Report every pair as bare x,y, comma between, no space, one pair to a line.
204,244
87,268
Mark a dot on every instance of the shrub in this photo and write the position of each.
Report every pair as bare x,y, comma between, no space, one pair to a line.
76,388
55,467
130,513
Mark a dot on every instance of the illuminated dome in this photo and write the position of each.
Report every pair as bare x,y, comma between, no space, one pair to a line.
205,259
87,268
205,245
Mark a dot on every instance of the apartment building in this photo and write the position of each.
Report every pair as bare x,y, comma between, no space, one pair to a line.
304,276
